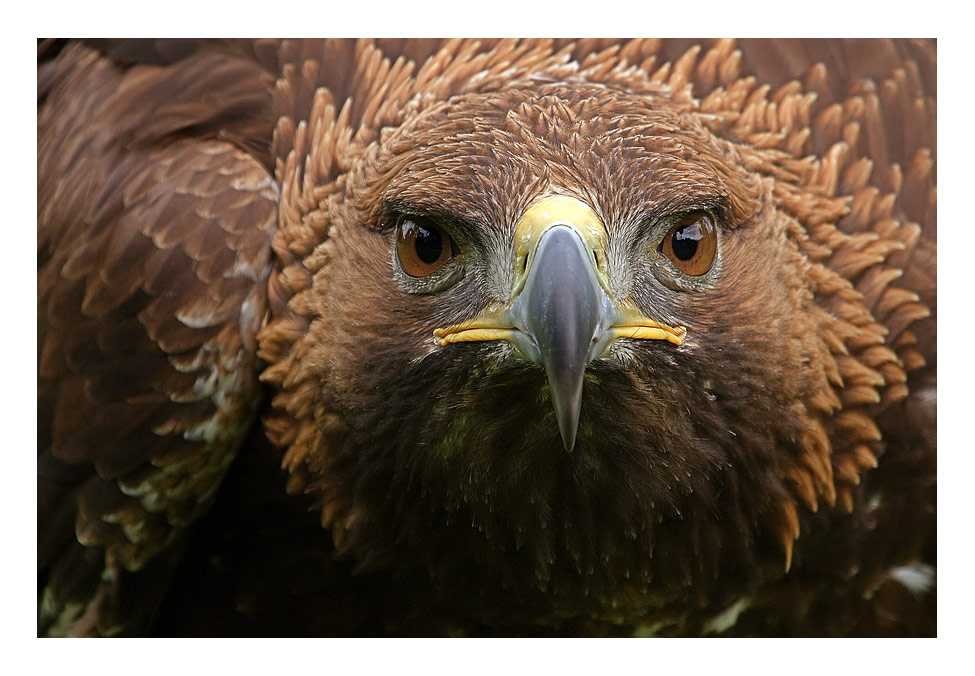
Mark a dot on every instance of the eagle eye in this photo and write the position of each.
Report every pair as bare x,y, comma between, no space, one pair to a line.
691,244
422,246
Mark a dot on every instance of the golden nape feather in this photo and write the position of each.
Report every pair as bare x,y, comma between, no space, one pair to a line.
487,337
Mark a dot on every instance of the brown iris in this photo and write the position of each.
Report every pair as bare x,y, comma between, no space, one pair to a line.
691,244
422,246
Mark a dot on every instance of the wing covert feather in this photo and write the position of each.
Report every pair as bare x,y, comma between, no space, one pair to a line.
152,265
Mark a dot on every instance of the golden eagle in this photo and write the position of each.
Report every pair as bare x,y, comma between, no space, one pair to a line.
486,337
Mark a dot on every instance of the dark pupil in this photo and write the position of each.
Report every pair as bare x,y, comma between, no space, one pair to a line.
429,244
685,241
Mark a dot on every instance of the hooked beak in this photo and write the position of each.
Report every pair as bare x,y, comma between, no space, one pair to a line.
562,314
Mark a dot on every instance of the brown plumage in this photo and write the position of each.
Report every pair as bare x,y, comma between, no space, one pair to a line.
245,250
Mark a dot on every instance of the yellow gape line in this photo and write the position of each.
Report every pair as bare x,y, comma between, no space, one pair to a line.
673,335
458,335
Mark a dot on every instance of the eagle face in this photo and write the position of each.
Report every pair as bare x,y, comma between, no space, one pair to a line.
456,446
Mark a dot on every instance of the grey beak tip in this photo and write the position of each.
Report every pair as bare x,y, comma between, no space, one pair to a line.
568,439
567,401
